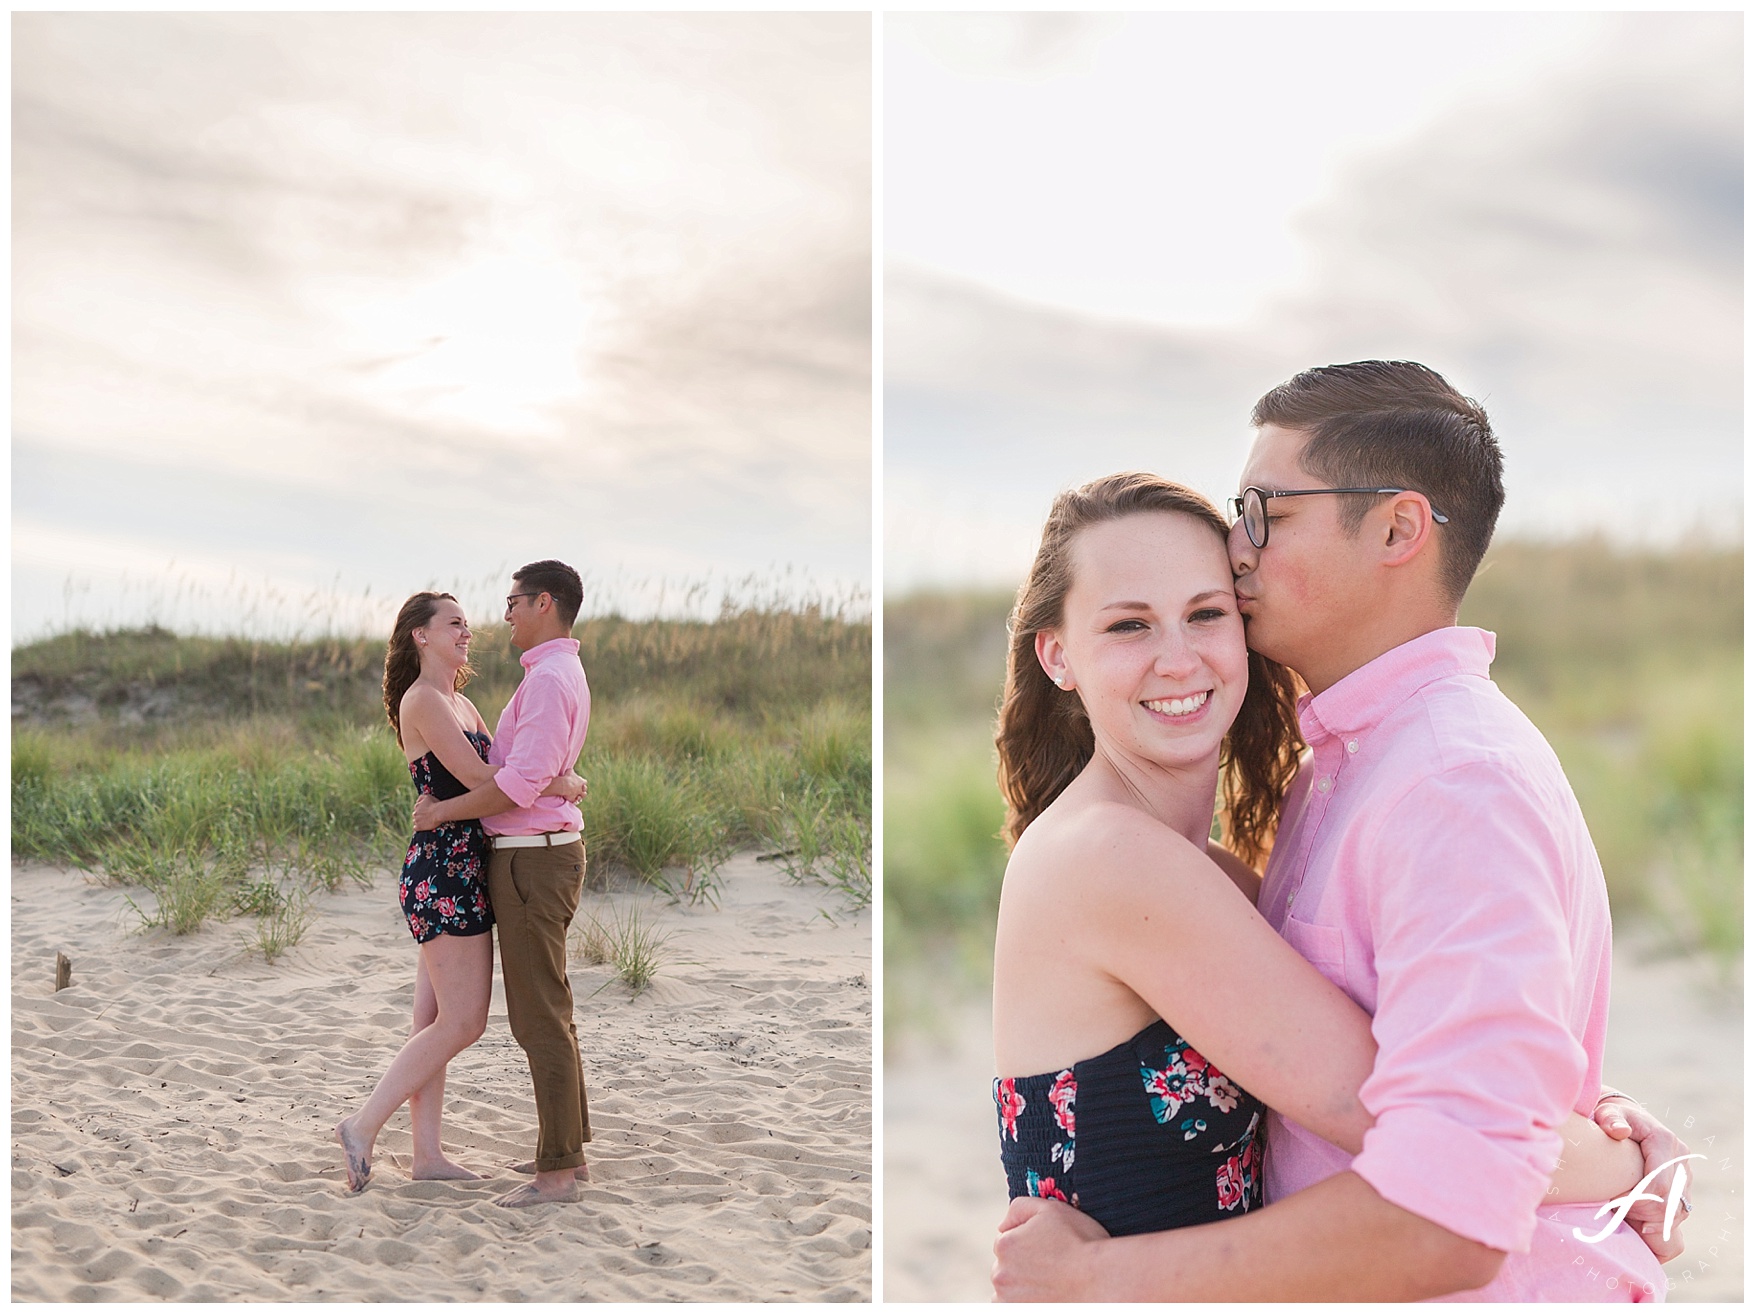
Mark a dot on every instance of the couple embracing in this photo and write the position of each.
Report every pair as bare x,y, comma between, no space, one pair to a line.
1338,1055
497,840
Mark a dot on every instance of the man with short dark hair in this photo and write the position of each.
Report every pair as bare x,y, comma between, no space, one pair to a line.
1433,863
538,864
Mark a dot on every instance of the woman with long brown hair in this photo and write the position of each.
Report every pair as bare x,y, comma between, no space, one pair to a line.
1157,1013
443,887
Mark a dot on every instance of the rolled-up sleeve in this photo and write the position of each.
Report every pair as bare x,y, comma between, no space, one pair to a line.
539,751
1477,1065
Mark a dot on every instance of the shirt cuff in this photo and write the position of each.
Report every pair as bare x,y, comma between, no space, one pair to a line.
516,787
1456,1176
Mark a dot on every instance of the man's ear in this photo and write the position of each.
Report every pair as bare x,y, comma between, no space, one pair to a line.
1407,527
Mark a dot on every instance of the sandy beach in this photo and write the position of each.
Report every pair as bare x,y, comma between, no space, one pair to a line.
172,1110
1675,1041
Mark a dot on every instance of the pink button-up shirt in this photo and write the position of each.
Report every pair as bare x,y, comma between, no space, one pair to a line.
540,735
1433,863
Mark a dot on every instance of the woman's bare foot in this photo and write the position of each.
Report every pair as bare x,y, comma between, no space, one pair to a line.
358,1153
441,1170
528,1168
548,1188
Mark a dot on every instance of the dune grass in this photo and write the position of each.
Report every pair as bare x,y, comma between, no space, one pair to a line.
1632,665
1629,662
625,941
188,766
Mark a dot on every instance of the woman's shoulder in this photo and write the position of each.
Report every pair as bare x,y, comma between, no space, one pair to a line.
421,700
1099,842
421,692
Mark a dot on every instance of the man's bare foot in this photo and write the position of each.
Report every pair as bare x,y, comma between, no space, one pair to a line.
548,1188
442,1170
358,1153
581,1173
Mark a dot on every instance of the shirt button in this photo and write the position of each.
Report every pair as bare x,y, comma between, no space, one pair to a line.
1323,786
1352,745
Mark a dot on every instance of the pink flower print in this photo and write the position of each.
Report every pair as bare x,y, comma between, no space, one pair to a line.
1011,1104
1176,1084
422,891
1044,1188
1230,1183
1166,1097
447,907
1061,1096
1221,1093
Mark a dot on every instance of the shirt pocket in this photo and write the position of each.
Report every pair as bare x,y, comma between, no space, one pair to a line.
1323,947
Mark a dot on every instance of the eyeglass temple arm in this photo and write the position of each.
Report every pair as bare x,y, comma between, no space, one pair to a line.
1437,515
1264,494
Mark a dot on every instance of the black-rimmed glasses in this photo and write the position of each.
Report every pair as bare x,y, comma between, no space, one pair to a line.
1251,507
512,598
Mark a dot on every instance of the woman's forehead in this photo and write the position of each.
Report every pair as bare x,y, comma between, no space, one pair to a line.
1171,552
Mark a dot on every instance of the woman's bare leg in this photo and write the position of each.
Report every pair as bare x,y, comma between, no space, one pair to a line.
459,971
421,1110
426,1106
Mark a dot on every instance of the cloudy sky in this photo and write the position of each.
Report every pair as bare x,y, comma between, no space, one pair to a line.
310,309
1105,236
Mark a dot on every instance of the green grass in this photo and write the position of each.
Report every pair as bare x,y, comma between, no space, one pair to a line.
182,766
624,941
1629,662
145,683
282,918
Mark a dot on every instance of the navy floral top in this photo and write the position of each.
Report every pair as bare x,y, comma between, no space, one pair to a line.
1144,1138
443,890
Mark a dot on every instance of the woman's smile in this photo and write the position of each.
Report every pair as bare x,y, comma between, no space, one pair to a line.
1179,709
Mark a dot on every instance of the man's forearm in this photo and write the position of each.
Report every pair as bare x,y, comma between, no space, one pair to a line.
1337,1240
484,801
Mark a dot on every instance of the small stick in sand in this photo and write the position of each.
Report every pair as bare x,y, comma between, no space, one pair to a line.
63,970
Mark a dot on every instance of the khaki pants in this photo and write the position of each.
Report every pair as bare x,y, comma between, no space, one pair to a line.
535,893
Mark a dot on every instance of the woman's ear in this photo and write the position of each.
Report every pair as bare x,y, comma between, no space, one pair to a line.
1052,655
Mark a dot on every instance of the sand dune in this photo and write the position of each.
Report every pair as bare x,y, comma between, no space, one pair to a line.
171,1112
1675,1040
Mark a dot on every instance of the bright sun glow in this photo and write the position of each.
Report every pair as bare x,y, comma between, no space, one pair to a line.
498,343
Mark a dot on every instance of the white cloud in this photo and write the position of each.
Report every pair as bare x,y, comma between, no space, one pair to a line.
379,262
1565,245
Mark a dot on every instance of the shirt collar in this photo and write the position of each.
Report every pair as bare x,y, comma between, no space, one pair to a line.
552,648
1361,700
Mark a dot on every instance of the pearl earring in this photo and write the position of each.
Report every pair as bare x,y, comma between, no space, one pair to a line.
1059,681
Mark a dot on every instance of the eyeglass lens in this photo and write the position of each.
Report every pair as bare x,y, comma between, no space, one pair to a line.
1255,517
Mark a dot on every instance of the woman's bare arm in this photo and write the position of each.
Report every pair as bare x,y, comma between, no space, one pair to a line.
1593,1166
426,712
1164,922
1243,876
1204,960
